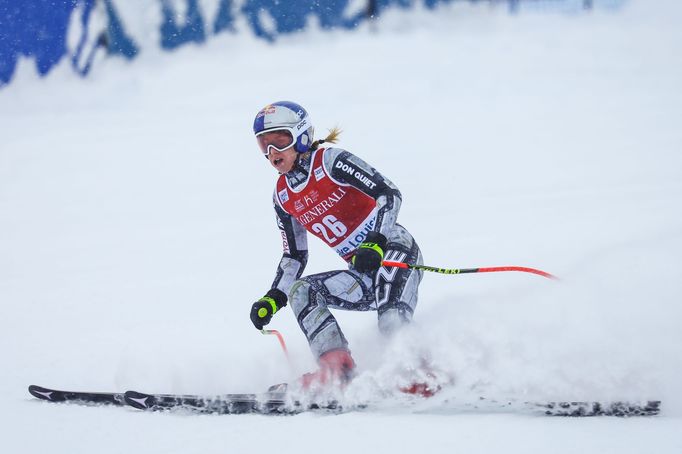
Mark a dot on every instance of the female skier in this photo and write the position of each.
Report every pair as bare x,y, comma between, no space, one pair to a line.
349,205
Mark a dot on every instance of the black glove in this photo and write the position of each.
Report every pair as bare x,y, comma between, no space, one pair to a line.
370,253
263,309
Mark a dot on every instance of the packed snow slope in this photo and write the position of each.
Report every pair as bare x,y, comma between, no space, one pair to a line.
137,229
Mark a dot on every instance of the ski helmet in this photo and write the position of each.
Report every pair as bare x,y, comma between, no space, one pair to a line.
286,116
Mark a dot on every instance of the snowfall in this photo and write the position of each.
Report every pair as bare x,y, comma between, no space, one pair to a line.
137,229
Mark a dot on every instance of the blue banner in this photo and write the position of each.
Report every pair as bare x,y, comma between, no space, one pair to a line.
38,29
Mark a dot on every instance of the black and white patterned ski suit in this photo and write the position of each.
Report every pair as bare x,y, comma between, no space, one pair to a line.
392,292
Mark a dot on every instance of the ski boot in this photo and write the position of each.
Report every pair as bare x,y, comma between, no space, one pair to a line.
424,389
336,369
426,380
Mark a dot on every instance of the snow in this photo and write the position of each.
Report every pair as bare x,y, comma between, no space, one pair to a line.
137,229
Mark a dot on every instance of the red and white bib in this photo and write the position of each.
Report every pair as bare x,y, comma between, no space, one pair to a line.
335,212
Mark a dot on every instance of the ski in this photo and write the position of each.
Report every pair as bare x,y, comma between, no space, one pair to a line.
617,408
270,403
79,397
560,408
266,403
280,403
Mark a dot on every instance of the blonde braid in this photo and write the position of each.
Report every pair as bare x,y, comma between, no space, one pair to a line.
332,137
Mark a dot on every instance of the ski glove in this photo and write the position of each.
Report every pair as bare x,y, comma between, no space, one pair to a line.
263,309
370,253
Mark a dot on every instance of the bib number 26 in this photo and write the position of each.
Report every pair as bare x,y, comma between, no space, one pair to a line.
330,228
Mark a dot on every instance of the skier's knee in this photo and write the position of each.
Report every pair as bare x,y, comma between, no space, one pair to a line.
393,318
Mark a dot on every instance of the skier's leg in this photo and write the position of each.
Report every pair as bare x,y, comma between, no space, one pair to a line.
310,298
396,288
396,299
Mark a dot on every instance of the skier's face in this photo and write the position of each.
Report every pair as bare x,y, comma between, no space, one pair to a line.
278,146
283,161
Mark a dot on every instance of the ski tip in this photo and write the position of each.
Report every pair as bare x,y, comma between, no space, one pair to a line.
43,393
138,400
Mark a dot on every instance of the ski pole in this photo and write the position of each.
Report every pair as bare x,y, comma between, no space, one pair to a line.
491,269
281,342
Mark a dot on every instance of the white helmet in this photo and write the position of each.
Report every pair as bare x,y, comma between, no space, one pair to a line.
286,116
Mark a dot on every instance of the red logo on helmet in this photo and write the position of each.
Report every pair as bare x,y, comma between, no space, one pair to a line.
270,109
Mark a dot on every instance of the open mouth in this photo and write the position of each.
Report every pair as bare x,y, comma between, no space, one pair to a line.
277,161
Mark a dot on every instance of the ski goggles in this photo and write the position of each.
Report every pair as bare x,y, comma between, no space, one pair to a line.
276,140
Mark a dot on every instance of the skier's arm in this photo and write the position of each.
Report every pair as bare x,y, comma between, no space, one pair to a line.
295,250
348,168
290,268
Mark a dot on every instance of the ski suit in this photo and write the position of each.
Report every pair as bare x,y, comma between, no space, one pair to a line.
339,198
